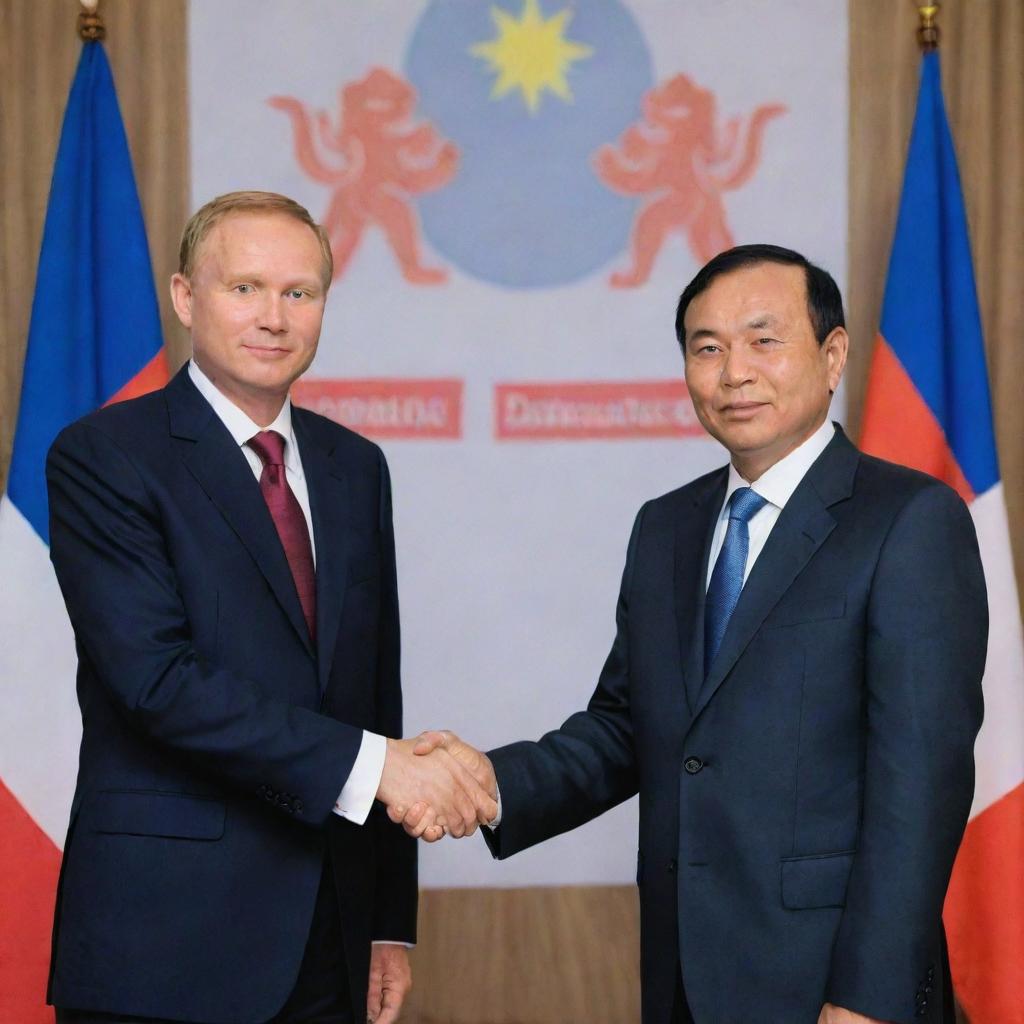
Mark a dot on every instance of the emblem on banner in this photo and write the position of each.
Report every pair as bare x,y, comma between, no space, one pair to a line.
683,161
376,158
531,53
529,89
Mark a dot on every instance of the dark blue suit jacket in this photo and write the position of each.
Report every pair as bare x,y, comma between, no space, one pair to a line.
800,808
216,739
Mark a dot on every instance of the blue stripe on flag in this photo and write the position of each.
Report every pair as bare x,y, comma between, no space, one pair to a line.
930,314
95,320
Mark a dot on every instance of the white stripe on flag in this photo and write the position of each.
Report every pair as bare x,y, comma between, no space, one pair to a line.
999,752
40,724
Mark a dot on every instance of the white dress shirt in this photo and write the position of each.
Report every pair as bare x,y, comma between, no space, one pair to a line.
360,788
776,485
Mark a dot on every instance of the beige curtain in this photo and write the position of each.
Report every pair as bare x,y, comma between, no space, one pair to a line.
567,955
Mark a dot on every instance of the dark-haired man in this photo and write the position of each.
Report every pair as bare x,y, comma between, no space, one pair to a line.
794,690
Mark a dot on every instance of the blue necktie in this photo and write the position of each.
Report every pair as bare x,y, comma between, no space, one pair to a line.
727,576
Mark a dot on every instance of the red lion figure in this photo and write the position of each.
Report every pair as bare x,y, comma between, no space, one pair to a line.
385,159
679,157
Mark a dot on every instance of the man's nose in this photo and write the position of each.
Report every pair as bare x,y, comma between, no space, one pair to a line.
738,368
273,316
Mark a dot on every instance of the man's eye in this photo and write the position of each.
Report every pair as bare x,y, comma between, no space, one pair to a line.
297,293
244,289
767,341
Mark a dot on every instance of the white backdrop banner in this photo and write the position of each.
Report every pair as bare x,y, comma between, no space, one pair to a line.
516,193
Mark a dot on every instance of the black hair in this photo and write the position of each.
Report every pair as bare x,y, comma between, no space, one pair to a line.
824,302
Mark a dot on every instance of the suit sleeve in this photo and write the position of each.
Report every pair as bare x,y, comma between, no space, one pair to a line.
131,627
926,640
581,769
396,893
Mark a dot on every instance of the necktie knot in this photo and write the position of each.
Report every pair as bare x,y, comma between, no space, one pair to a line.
269,446
745,503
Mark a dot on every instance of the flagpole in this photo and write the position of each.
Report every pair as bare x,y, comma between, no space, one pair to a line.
90,24
927,29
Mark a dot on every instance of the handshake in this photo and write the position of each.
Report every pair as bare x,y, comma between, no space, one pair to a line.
435,784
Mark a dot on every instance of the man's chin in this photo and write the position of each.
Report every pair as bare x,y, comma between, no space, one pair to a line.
743,438
273,376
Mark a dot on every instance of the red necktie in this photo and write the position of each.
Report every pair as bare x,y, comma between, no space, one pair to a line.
289,520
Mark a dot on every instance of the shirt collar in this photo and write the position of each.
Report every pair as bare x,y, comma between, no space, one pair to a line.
777,483
239,425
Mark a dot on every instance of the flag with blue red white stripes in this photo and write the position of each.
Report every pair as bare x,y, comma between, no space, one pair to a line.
94,338
928,406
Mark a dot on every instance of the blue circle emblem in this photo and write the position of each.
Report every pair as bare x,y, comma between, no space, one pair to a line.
528,90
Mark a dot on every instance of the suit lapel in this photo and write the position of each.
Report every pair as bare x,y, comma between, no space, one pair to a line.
692,545
220,468
801,529
329,501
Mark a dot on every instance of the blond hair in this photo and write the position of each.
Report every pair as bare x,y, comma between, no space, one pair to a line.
207,216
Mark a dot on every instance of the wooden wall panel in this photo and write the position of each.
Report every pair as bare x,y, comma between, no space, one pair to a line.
527,956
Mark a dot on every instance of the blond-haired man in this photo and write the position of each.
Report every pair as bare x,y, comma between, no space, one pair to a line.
228,565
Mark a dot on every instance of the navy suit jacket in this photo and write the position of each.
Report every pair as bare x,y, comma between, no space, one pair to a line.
800,808
216,739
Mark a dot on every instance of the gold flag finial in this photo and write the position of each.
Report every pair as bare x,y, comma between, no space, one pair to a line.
928,30
90,24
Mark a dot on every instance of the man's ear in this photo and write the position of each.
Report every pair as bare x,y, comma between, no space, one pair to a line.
181,299
836,347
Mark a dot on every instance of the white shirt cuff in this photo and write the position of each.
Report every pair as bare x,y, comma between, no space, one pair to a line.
363,781
496,820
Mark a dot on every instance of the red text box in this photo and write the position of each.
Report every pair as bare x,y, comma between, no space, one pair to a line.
419,409
600,410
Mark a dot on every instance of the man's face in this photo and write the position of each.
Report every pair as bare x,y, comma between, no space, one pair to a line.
759,380
254,305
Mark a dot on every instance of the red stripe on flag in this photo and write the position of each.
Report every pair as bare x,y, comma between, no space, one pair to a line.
29,865
153,375
984,914
899,426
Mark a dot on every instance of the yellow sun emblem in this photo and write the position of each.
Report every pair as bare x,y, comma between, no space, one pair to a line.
531,53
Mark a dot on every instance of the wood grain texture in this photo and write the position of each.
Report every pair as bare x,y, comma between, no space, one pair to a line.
568,955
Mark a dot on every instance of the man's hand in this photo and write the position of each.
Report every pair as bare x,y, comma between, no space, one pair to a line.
438,781
837,1015
390,981
421,819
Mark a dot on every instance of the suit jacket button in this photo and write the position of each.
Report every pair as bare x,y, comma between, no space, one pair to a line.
672,866
693,765
297,807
